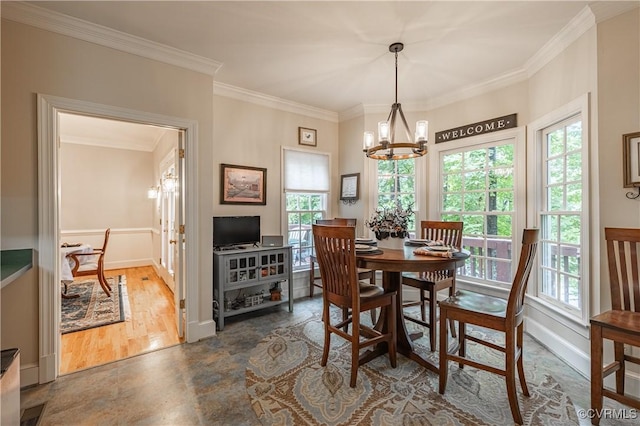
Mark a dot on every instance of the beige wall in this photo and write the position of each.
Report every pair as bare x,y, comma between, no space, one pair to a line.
250,135
104,188
52,64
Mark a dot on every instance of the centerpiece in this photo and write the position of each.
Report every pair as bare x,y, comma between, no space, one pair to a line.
390,226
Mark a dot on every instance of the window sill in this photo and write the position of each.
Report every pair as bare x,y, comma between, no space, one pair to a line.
557,314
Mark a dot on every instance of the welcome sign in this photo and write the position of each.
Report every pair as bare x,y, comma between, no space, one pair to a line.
487,126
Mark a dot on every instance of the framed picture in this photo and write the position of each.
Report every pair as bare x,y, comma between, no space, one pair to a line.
243,185
631,157
307,136
350,187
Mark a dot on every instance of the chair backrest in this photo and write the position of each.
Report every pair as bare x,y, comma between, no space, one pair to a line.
519,285
448,232
623,247
338,221
106,239
336,255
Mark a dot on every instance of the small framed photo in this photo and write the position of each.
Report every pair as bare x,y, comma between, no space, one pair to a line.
307,136
350,187
631,155
243,185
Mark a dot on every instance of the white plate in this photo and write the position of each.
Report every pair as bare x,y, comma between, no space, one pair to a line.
419,240
364,250
439,248
362,247
364,240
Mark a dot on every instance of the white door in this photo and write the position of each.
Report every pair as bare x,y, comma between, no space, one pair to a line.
178,236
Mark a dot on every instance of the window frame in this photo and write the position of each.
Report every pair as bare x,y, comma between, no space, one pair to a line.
519,216
589,242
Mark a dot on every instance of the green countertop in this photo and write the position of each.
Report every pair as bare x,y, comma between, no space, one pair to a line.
14,264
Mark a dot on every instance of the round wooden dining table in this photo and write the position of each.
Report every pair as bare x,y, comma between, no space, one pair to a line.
393,263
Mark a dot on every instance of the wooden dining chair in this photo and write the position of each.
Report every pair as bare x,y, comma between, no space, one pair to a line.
363,274
93,265
336,253
430,283
621,324
498,314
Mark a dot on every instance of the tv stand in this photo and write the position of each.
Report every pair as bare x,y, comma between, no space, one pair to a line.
228,248
242,280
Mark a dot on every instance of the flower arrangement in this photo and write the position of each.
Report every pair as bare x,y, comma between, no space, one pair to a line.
390,223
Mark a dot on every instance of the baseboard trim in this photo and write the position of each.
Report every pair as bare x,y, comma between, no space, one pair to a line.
135,263
201,330
29,375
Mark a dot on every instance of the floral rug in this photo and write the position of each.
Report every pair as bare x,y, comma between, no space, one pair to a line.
287,386
92,308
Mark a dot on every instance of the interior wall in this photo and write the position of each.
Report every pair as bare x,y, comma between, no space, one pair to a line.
52,64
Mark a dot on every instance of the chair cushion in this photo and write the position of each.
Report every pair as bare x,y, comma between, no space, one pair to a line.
92,266
370,290
477,302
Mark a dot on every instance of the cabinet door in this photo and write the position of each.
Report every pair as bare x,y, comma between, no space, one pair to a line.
274,265
241,269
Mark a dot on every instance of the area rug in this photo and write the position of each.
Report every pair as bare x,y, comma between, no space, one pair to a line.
93,308
287,386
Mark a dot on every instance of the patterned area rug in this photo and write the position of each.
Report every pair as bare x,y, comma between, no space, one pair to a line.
93,308
287,386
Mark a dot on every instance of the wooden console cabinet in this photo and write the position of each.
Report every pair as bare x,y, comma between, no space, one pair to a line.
243,278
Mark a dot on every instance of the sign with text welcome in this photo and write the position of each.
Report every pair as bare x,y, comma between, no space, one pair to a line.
487,126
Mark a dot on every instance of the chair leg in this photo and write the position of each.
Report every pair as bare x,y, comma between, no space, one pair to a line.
423,314
452,324
523,380
596,373
374,317
618,350
462,337
444,350
103,283
345,315
510,377
355,352
391,318
327,335
432,318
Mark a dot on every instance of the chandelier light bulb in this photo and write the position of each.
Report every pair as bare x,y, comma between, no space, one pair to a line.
384,131
367,141
422,130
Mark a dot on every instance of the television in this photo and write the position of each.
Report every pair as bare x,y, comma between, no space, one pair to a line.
229,231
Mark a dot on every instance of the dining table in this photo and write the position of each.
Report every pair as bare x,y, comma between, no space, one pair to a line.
392,263
67,264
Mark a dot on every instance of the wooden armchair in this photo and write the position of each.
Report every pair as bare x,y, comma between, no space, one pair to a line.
93,266
621,324
335,251
430,283
498,314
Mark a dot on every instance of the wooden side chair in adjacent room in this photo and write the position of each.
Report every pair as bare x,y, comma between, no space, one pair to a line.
335,251
621,324
498,314
430,283
95,264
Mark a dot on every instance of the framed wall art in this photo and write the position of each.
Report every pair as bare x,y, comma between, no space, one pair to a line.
243,185
307,136
631,158
350,187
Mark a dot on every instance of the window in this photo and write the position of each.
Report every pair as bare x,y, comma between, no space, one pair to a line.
479,189
397,187
306,186
561,214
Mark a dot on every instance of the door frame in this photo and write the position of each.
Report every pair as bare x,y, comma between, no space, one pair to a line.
48,214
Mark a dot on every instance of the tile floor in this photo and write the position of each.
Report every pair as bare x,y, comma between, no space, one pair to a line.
203,383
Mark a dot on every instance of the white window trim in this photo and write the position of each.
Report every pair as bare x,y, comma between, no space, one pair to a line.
591,241
520,188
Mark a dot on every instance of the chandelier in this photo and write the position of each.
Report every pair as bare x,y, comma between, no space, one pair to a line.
388,148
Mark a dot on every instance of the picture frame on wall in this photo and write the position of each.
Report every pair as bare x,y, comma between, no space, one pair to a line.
243,185
350,187
307,136
631,159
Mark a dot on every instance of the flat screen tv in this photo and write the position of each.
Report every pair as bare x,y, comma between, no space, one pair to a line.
229,231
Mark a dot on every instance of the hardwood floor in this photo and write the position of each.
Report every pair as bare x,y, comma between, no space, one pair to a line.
150,326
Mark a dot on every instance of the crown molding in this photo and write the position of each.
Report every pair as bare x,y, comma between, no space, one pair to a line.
130,145
229,91
567,35
77,28
604,10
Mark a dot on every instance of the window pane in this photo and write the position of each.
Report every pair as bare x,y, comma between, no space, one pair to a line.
475,159
474,180
555,172
501,156
574,166
574,136
574,197
474,202
452,163
473,224
452,182
452,202
555,143
570,229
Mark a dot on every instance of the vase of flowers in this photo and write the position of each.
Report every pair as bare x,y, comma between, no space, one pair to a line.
390,226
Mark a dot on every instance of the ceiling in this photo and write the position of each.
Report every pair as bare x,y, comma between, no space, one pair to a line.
334,55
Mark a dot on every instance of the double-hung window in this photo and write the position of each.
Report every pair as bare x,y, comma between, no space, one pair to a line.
306,187
397,187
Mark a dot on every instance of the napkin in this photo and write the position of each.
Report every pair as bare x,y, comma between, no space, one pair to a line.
426,252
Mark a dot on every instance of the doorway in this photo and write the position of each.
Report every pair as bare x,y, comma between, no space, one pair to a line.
49,218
